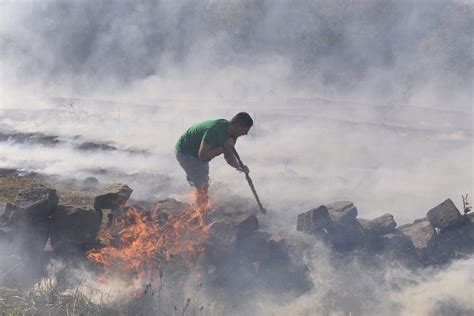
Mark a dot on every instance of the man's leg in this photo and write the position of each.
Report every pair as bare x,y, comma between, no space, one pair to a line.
197,174
202,198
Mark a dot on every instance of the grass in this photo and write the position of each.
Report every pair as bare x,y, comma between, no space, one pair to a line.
13,182
49,301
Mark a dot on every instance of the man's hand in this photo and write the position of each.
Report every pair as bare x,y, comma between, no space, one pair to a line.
243,169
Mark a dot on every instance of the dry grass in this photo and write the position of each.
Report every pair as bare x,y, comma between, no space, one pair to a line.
49,302
76,197
12,182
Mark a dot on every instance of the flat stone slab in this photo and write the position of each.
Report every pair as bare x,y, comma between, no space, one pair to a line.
421,234
314,220
246,225
342,211
444,215
255,247
381,225
220,242
36,201
31,235
396,246
74,227
346,236
113,196
470,217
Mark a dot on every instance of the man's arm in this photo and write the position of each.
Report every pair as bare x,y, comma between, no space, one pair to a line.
206,153
230,157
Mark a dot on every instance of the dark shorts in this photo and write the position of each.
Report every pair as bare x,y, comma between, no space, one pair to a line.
197,171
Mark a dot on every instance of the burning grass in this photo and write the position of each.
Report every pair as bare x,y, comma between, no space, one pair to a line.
136,248
139,244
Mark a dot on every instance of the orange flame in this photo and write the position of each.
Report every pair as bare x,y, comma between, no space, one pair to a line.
141,243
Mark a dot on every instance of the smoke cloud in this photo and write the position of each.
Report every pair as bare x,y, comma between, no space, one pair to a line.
367,101
397,51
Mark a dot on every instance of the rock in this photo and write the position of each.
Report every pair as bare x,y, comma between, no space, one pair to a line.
363,222
455,242
246,226
444,215
342,211
279,249
255,247
74,227
314,221
28,220
114,196
280,272
27,236
220,242
381,225
346,236
395,246
422,235
31,235
36,201
470,231
470,217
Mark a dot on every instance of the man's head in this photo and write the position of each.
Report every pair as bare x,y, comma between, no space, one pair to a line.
240,124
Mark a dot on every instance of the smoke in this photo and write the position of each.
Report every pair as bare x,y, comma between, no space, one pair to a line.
239,49
353,287
367,101
439,291
301,154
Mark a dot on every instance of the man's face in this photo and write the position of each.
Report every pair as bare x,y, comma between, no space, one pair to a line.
242,130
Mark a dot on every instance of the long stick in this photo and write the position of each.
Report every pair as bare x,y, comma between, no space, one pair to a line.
262,209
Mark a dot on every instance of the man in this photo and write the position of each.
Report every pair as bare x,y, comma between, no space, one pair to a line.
206,140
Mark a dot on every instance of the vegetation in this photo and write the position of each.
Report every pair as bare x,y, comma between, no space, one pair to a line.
13,181
49,301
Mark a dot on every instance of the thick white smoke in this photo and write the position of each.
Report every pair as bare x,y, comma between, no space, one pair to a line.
367,101
398,51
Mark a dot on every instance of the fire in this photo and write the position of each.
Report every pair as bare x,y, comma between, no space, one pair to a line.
140,244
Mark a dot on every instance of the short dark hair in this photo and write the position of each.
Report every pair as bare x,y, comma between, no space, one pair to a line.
243,119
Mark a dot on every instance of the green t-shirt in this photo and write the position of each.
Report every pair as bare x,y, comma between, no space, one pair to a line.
213,132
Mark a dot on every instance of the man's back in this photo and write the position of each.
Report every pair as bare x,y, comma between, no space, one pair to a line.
213,132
